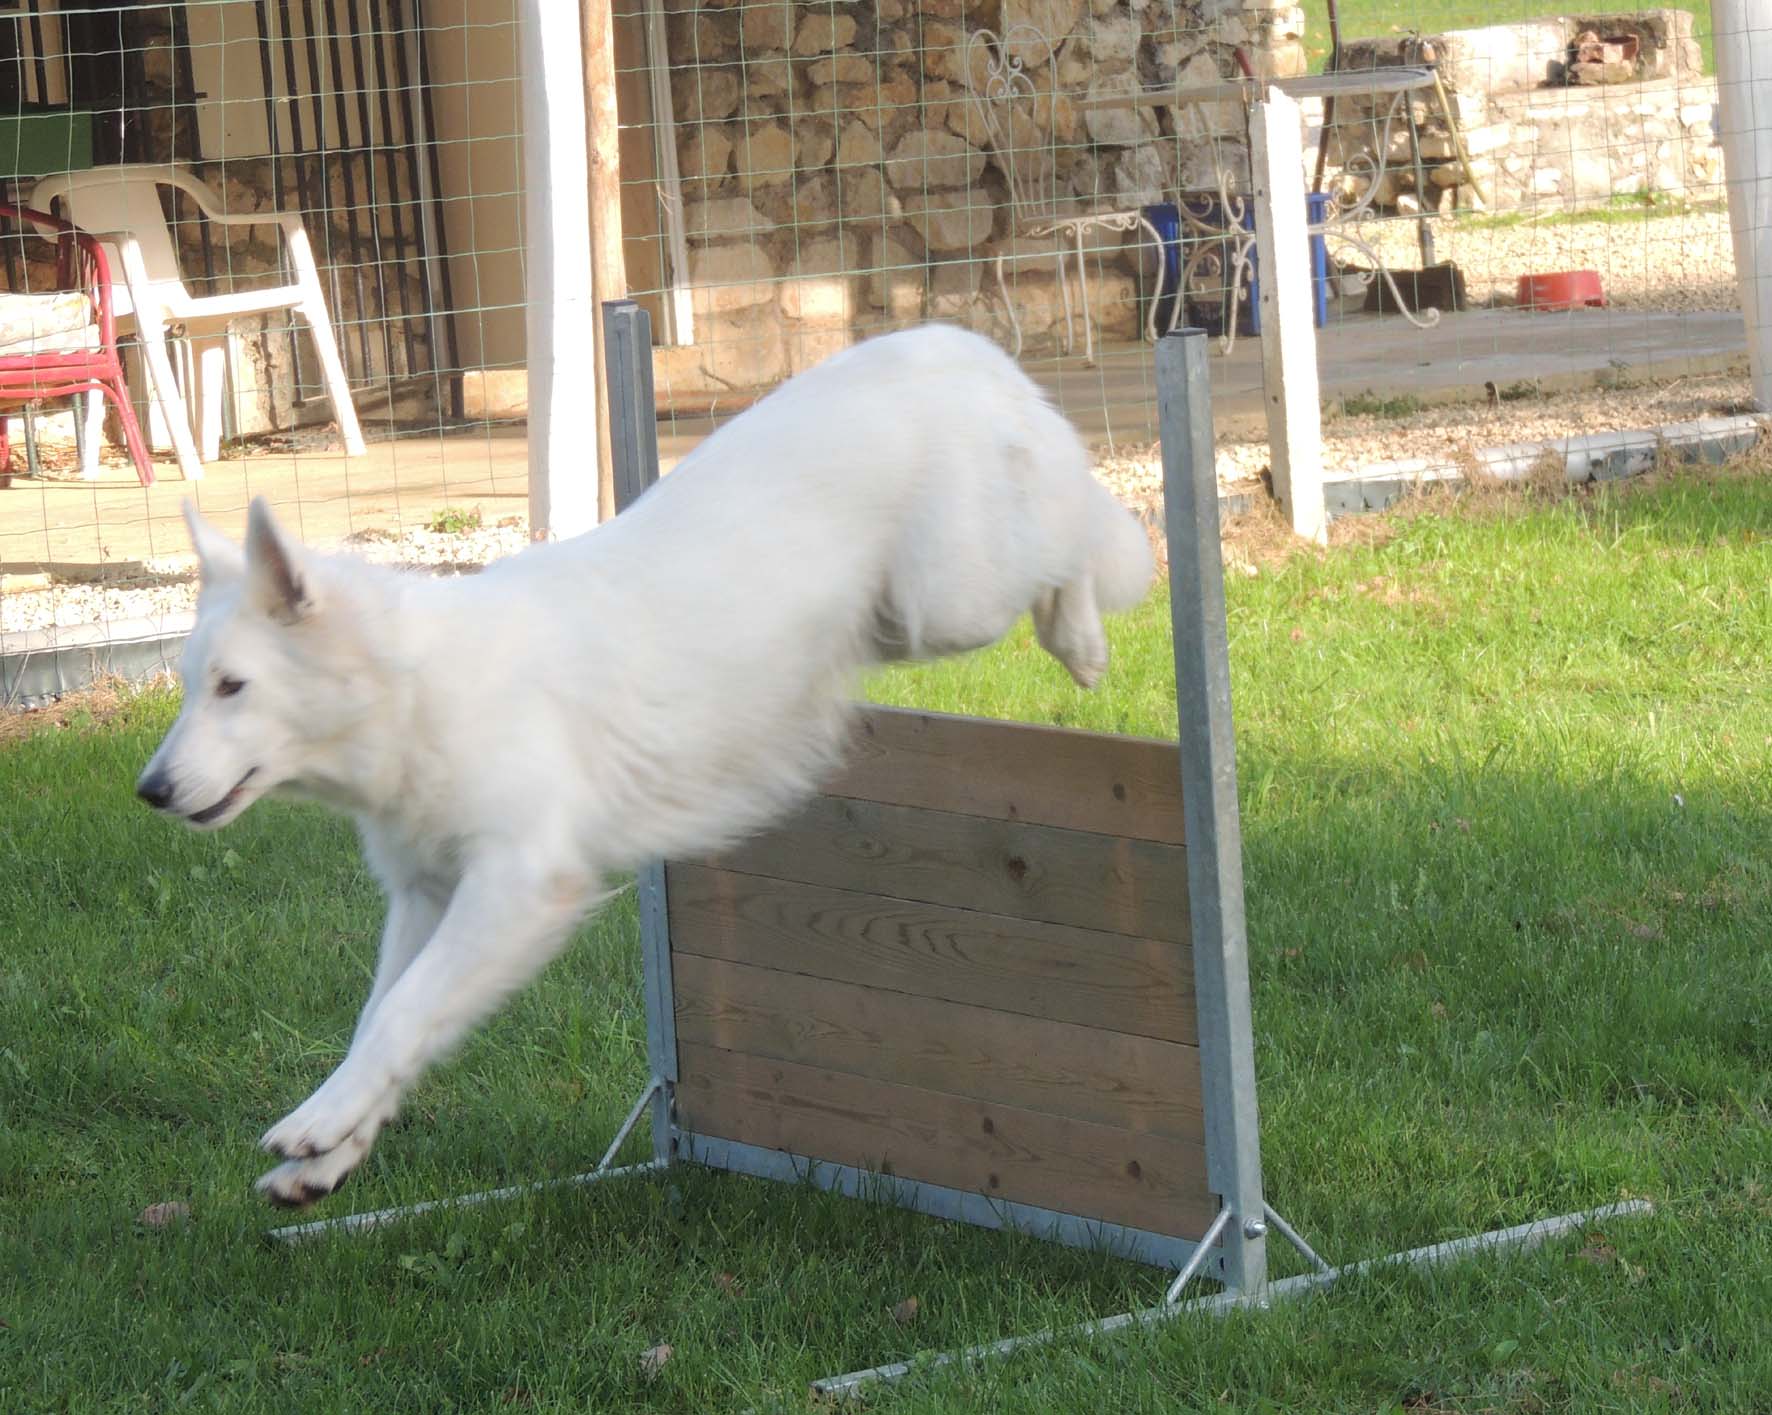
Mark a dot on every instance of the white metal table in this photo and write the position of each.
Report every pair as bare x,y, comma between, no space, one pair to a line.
1224,223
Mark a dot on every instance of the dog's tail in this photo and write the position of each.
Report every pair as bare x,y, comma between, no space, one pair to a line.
1120,560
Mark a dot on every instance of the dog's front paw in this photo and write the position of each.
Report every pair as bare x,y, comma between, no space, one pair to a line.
297,1183
319,1125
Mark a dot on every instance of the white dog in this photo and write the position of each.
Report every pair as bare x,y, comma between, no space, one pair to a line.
658,687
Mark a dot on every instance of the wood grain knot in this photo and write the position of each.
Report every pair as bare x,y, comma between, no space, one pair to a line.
1018,868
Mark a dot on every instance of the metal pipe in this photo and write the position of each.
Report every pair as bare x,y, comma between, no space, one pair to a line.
297,147
1292,1236
378,46
627,1126
381,1218
342,112
1197,1259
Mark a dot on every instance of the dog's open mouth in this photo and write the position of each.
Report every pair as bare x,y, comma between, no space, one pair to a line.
209,813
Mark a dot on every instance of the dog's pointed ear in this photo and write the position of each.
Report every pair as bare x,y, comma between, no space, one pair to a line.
276,579
218,558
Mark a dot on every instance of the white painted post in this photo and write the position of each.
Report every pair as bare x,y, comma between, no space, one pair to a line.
561,344
1742,30
1288,332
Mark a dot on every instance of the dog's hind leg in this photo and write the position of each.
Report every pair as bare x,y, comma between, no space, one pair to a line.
1067,623
507,920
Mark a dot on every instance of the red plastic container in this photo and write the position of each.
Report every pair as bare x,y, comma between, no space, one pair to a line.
1561,290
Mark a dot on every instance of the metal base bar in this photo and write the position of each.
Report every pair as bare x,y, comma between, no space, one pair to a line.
1525,1236
381,1218
960,1205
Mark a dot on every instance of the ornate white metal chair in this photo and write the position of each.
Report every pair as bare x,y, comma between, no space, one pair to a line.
1006,98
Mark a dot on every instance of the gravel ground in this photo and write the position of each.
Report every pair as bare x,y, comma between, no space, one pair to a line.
1677,259
167,587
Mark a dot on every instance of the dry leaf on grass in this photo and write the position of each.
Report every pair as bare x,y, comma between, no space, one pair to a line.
905,1312
163,1215
653,1359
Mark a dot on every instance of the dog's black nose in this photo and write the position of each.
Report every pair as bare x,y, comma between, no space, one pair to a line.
156,790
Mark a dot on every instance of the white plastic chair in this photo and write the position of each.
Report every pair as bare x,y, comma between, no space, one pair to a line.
1006,98
121,205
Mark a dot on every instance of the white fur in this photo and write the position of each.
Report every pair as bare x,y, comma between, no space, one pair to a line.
658,687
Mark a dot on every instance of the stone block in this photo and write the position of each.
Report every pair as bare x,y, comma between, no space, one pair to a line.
821,31
765,154
730,276
704,94
724,219
951,221
934,160
768,26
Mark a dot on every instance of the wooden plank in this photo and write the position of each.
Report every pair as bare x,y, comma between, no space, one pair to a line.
609,279
1017,771
1076,877
1066,974
1058,1068
1147,1181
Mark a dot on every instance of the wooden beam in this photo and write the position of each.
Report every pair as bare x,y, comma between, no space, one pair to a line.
603,189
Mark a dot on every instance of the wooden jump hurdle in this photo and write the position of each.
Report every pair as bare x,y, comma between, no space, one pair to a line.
993,972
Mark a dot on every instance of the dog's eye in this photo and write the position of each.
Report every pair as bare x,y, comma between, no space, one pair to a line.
227,687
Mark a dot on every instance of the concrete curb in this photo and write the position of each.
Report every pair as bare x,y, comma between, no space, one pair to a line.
1596,456
37,666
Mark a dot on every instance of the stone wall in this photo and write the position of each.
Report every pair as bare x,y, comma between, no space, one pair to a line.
1542,127
838,176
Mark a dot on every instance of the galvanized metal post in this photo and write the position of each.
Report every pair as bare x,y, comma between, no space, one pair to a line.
633,423
633,442
1209,803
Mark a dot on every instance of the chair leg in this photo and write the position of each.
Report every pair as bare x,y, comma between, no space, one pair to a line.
1083,298
211,388
338,388
1009,305
1064,294
171,401
92,435
118,389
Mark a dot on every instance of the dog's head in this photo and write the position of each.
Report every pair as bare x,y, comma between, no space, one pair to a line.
259,692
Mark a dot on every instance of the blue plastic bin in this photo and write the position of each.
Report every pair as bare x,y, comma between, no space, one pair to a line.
1166,217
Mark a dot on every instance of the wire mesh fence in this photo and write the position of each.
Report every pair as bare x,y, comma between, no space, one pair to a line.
1518,230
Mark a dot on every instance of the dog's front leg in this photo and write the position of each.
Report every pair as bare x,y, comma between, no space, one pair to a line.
413,916
506,921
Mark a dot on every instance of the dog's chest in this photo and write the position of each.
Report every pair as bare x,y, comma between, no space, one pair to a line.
405,855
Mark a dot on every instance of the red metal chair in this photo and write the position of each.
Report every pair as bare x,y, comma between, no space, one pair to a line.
64,359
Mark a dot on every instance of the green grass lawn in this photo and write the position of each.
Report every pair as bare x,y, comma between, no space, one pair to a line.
1506,819
1363,19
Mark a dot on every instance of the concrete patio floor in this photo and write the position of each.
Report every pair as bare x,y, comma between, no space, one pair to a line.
113,526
